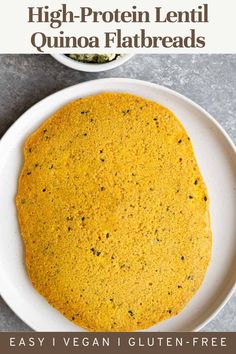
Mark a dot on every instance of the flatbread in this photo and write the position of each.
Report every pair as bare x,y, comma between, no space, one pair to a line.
114,213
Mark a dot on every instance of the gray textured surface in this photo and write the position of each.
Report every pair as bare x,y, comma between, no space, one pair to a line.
209,80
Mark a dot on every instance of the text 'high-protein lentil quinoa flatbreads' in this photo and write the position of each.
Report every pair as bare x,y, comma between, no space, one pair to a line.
114,213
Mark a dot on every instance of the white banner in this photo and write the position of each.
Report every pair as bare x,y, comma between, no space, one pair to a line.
121,26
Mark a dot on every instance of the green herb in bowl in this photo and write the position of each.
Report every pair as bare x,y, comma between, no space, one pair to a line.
94,58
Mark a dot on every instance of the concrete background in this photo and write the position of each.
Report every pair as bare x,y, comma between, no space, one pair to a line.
209,80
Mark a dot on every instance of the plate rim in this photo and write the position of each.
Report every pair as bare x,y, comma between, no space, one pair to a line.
18,121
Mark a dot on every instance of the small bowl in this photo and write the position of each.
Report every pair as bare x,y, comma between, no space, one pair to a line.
91,67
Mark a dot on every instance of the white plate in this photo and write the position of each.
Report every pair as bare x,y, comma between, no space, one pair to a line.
216,156
91,67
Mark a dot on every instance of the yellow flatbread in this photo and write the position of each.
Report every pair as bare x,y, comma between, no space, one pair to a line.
114,213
